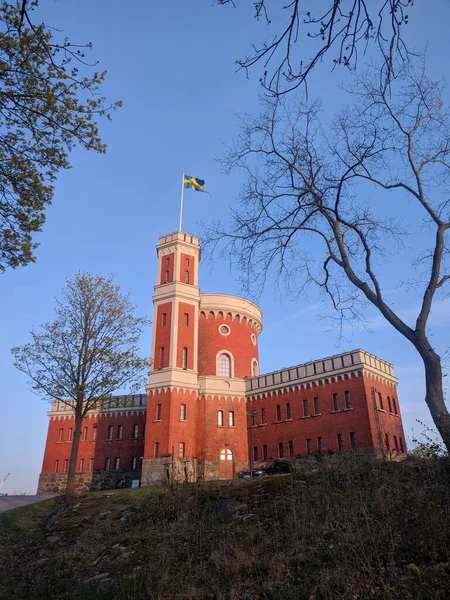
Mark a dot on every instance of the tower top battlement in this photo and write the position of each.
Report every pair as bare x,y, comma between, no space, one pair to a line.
178,236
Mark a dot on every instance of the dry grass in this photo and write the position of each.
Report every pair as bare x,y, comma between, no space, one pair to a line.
349,528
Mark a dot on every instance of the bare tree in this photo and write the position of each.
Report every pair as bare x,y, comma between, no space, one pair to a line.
88,352
329,205
345,27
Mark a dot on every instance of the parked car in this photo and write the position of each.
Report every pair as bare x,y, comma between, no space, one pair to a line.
267,467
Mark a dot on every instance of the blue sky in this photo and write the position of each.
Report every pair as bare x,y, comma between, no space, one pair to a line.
172,65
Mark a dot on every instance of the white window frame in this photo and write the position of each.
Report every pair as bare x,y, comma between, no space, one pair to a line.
220,418
231,418
117,463
255,368
218,355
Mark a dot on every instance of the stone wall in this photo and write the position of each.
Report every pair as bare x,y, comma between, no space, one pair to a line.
159,471
52,483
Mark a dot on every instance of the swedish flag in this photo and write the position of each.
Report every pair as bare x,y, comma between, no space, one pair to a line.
193,182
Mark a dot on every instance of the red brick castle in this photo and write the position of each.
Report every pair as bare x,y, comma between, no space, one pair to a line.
194,422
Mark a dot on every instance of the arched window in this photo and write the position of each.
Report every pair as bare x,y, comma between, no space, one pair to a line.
255,368
184,358
224,365
167,276
186,277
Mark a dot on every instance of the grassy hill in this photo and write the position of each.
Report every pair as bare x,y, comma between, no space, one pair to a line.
348,527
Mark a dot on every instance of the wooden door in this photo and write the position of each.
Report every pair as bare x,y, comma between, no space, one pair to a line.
226,464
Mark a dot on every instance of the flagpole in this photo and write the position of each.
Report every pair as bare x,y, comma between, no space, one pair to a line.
181,202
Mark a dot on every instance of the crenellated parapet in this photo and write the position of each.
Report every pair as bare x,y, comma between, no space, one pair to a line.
356,363
127,404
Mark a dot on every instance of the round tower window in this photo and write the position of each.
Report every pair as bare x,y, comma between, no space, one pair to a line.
253,338
224,330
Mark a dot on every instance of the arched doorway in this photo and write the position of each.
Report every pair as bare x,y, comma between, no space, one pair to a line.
226,464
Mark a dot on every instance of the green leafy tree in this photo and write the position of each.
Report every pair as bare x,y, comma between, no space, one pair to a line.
87,353
49,102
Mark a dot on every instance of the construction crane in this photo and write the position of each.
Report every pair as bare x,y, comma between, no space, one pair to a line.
4,479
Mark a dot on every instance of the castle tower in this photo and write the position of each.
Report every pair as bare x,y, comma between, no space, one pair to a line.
204,346
173,385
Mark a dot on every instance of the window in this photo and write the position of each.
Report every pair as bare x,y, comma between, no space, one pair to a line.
278,412
94,432
164,319
394,406
81,465
288,410
280,449
70,436
110,432
167,262
183,412
389,404
85,434
305,408
117,463
386,440
348,400
264,452
352,439
291,448
220,418
119,432
184,358
231,418
395,442
66,465
135,432
380,401
316,406
61,435
167,276
158,412
186,319
263,416
308,446
401,444
186,262
340,442
186,277
91,464
107,464
253,419
255,452
224,365
320,444
156,449
335,402
255,370
224,330
133,462
161,362
181,449
56,465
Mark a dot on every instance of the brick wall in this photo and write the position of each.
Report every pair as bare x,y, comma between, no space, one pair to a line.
359,420
167,264
99,449
163,327
238,343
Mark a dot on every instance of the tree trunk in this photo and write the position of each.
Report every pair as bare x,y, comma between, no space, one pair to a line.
70,489
435,392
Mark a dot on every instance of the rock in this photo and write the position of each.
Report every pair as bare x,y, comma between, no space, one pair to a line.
124,516
40,562
53,538
229,507
84,534
98,577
